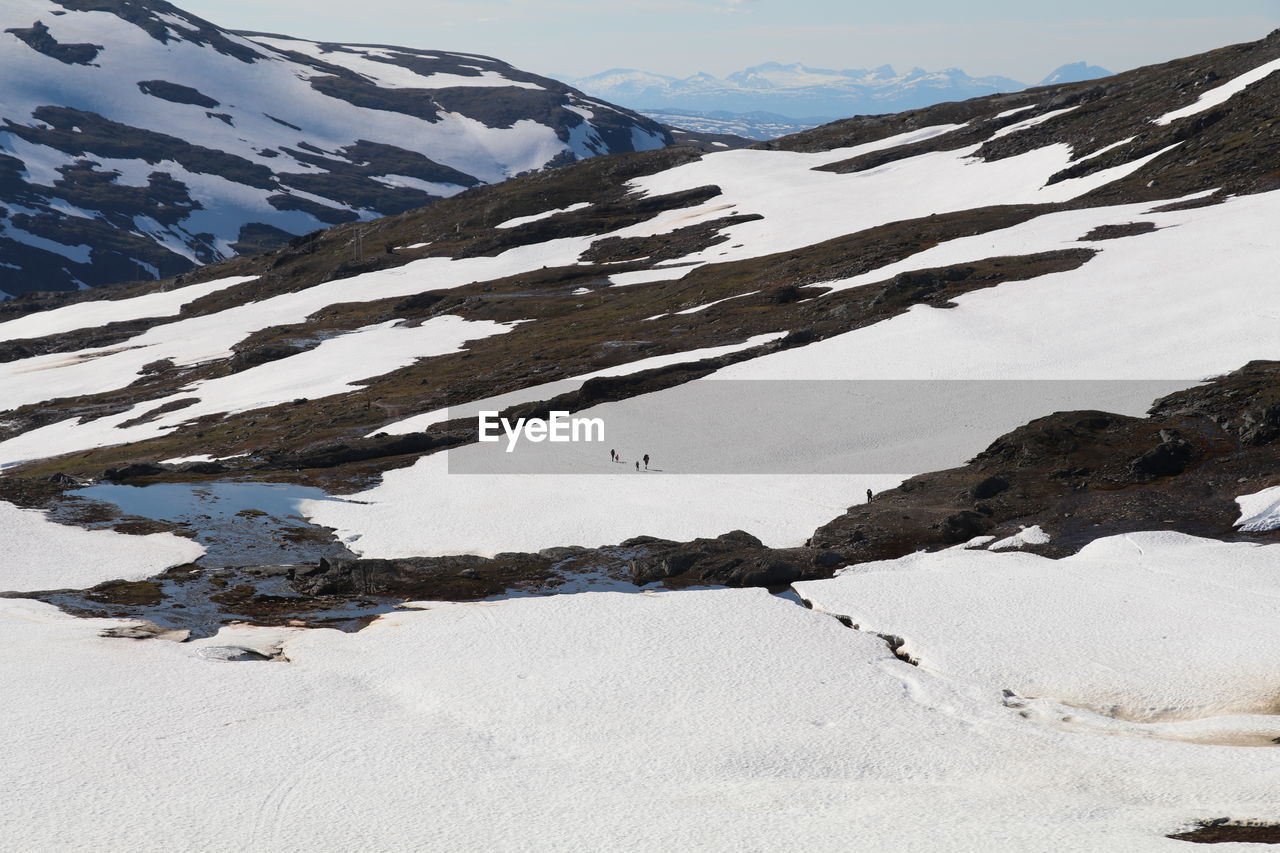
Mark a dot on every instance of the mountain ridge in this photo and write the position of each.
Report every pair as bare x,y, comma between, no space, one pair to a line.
139,140
792,89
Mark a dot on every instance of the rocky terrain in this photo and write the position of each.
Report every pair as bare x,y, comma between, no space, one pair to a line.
288,440
139,141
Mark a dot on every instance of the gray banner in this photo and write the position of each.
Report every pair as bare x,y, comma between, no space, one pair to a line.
790,427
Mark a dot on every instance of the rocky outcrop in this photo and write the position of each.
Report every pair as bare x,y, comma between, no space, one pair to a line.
733,559
1082,475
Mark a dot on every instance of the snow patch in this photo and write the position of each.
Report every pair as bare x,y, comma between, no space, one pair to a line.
38,554
1260,511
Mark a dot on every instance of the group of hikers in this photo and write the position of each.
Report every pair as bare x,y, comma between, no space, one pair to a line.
614,457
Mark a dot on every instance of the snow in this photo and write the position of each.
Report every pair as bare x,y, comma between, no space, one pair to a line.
250,93
427,510
386,73
418,423
699,308
567,723
1104,149
1136,312
626,279
1221,94
199,339
1033,535
1031,122
84,315
523,220
334,366
1015,111
1260,511
1144,627
183,460
38,554
801,206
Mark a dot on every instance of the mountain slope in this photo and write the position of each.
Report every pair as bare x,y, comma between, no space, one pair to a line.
793,90
137,141
621,260
923,346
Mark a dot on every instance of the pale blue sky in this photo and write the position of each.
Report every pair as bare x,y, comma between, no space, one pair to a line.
1024,40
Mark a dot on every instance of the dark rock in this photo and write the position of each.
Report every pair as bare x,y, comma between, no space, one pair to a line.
205,468
798,338
1167,459
38,38
176,93
162,365
784,295
455,578
637,541
1260,426
418,302
132,472
828,560
988,488
963,526
740,537
563,552
254,356
662,566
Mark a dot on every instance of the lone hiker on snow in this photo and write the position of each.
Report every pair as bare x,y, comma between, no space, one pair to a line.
613,456
637,464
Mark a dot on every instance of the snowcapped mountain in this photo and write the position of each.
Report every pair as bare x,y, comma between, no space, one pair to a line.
793,90
1074,72
138,140
1012,360
754,125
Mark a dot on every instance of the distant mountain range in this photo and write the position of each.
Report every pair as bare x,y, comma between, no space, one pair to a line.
756,125
805,96
139,141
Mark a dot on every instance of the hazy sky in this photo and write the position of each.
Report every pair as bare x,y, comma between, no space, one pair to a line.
1024,39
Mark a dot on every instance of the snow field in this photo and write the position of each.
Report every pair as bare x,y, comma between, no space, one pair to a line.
1260,511
99,313
524,220
629,722
334,366
1122,316
1221,94
38,554
418,423
1144,627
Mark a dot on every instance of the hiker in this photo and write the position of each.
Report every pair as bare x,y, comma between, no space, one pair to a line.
613,456
868,496
646,462
637,464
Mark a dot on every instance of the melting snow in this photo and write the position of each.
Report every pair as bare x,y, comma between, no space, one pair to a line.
1149,626
1033,535
1260,511
522,220
101,312
38,554
1221,94
570,722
